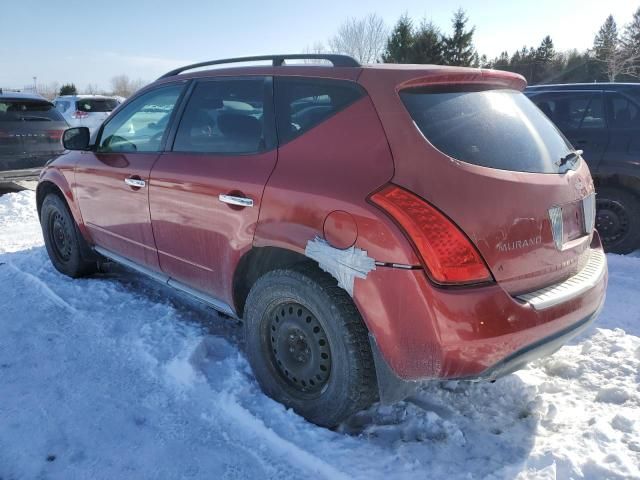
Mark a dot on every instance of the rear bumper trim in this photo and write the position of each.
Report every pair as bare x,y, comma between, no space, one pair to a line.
570,288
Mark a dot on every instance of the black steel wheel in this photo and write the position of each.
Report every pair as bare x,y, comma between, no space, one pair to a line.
300,352
68,251
618,219
308,346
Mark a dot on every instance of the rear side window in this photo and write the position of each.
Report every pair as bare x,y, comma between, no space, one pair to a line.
62,105
303,103
226,116
573,111
493,128
96,105
623,113
28,111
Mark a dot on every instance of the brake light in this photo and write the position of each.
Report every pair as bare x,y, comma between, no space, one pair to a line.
445,251
78,114
55,135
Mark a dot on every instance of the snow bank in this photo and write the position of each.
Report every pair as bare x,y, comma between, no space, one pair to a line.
115,377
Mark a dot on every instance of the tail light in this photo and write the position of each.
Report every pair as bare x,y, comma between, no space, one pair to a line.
55,135
445,251
78,114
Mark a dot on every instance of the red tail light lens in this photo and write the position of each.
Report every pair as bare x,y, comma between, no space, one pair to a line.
55,135
80,114
446,252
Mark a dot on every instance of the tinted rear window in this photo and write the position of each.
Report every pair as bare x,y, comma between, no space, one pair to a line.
303,103
492,128
28,110
96,105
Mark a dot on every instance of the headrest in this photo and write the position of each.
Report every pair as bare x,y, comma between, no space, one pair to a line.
237,124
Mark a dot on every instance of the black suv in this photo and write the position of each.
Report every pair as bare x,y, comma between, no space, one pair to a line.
603,120
30,134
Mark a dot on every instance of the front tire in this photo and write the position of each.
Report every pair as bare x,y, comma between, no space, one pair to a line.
308,346
65,245
618,219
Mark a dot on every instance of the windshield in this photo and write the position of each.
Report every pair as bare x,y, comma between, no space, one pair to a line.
28,110
96,105
492,128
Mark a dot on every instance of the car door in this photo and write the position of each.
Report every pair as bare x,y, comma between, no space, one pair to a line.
581,118
205,193
112,180
623,152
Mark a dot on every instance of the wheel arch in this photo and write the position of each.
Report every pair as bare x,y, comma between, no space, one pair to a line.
53,181
257,262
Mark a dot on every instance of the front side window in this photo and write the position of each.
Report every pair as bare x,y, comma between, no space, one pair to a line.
493,128
225,116
303,103
141,125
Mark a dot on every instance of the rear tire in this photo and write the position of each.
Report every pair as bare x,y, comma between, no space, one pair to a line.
618,219
67,249
308,346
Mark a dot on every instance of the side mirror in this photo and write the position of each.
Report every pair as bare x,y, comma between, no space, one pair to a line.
76,138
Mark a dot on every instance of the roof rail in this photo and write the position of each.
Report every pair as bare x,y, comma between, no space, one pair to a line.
277,61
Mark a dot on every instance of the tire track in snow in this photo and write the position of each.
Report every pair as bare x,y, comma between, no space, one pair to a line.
295,455
44,288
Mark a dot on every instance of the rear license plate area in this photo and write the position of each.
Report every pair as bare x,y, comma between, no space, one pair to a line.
573,221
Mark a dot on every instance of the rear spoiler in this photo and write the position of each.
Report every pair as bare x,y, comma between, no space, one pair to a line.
477,77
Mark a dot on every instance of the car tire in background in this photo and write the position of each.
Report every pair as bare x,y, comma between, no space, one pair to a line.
67,249
618,219
308,346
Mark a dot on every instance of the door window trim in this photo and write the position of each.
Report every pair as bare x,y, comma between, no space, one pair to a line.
269,118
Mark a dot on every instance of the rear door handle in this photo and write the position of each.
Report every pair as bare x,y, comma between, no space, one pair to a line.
233,200
135,182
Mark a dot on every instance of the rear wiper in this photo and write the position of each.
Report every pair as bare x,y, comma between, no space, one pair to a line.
569,156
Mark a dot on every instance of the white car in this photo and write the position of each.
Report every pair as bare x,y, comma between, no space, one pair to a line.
86,110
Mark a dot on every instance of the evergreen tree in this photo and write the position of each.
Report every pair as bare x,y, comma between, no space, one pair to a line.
458,48
606,49
68,89
631,44
428,46
544,57
400,42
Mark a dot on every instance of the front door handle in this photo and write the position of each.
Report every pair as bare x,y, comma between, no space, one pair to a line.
233,200
135,182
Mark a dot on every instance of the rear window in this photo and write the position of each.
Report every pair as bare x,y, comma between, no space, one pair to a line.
493,128
28,111
96,105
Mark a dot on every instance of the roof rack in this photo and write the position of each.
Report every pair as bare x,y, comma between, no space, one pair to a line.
277,61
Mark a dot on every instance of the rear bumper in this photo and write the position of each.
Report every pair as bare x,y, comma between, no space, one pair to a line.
16,168
426,332
11,176
538,349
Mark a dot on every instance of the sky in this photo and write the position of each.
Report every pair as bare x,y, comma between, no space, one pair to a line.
89,42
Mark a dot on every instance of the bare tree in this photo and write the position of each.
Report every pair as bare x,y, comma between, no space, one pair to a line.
123,86
364,39
50,90
91,89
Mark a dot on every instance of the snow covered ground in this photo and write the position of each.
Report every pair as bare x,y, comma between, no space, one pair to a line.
113,377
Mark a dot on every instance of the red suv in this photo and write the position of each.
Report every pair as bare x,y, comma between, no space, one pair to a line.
373,226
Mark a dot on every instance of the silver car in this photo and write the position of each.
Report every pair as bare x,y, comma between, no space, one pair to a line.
86,110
